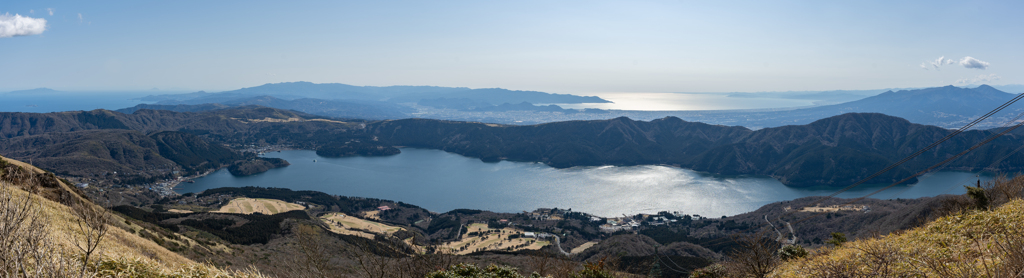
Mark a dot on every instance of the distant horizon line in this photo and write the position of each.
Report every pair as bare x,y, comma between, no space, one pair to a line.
157,91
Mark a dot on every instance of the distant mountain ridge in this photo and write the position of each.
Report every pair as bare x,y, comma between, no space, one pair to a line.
395,94
34,91
350,109
347,101
949,103
947,107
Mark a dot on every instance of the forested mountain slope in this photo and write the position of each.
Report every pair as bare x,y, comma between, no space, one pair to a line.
833,151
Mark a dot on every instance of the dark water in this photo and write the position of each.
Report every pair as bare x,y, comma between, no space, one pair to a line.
66,101
440,181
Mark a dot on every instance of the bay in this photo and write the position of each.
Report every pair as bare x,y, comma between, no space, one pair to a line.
687,101
441,181
67,101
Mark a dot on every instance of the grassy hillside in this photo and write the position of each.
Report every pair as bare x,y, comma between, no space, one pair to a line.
972,243
48,229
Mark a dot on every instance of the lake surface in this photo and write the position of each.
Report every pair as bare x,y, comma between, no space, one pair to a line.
441,181
65,101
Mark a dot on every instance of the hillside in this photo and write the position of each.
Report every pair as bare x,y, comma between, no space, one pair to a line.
978,243
56,221
818,153
814,154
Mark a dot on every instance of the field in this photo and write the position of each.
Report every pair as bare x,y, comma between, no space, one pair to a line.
348,225
492,239
264,206
583,247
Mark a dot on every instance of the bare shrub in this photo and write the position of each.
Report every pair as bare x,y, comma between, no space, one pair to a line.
881,259
1003,189
833,269
790,252
553,265
433,259
1005,254
374,260
953,205
26,246
756,257
91,223
316,258
954,262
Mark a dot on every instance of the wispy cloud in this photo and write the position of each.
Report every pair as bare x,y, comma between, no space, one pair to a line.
984,78
967,62
80,19
17,25
50,10
941,61
971,63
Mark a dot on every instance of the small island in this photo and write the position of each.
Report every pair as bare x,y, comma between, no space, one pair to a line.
256,166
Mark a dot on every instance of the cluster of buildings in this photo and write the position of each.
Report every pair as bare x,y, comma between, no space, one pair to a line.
834,208
618,224
545,214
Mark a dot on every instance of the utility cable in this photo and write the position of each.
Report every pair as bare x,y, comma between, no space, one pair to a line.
994,163
993,137
921,151
909,157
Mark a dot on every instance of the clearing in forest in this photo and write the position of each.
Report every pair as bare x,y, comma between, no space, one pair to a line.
349,225
264,206
479,237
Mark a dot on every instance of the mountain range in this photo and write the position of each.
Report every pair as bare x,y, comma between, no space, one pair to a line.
394,94
948,107
833,151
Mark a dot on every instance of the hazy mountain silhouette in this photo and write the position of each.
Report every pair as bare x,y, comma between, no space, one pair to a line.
396,94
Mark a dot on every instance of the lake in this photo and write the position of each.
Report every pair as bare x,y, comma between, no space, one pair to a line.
441,181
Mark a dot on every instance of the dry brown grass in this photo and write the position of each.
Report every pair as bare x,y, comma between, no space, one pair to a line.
254,205
47,240
970,244
491,239
341,223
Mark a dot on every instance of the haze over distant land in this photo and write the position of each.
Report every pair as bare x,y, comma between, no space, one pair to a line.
948,106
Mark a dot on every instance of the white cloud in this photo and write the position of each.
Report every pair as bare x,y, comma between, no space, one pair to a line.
79,17
941,61
50,10
967,62
979,79
17,25
971,63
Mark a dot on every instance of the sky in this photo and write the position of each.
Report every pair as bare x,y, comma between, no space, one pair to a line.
575,47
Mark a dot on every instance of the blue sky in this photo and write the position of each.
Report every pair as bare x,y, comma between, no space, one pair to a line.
579,47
